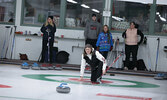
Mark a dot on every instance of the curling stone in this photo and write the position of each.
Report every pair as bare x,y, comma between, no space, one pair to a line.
25,65
58,67
35,66
63,89
45,66
160,76
50,67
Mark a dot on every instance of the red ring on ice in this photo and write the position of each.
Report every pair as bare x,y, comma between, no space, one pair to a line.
88,80
4,86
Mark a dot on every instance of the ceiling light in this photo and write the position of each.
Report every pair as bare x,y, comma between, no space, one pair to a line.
85,6
95,10
72,1
117,18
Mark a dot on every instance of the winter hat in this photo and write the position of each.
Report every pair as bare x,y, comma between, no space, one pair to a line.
93,15
51,17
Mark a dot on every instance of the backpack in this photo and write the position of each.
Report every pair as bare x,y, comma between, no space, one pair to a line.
141,65
62,57
23,56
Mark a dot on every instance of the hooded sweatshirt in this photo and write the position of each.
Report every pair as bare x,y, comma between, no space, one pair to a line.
92,29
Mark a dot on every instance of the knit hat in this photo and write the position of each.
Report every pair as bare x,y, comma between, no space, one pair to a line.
93,15
51,17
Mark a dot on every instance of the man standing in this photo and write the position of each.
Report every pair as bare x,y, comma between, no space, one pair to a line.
92,29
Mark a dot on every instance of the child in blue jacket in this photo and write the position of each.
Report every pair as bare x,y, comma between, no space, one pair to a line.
104,42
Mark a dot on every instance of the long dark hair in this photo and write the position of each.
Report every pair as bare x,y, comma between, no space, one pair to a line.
136,25
133,23
108,33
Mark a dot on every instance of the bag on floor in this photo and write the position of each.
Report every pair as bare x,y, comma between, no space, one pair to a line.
23,56
141,65
62,57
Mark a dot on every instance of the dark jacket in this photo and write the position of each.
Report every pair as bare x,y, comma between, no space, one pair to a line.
51,33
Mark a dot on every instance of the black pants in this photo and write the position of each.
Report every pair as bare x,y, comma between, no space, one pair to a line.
96,72
91,42
128,50
104,54
45,49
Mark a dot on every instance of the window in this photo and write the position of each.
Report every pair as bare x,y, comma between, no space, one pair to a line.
80,11
37,11
7,11
161,18
126,11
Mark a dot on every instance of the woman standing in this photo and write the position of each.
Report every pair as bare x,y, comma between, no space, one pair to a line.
48,29
131,44
96,61
104,42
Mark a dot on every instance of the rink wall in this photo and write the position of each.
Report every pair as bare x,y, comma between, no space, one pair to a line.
73,43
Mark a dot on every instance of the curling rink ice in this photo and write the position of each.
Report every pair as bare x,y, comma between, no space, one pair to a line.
21,84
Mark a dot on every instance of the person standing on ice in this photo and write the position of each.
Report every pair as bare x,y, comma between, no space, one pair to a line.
96,61
104,42
48,27
92,29
131,45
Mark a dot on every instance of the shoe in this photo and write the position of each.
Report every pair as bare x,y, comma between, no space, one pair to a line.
93,83
99,80
135,69
125,68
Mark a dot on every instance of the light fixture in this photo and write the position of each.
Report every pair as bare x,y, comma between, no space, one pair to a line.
72,1
85,6
95,10
117,18
163,19
157,13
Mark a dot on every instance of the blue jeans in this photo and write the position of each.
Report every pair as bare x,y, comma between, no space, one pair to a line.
104,54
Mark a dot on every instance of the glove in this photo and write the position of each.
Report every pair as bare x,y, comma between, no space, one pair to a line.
48,30
97,49
138,43
111,48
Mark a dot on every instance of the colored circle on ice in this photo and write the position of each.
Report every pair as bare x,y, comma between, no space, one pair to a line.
4,86
88,80
72,79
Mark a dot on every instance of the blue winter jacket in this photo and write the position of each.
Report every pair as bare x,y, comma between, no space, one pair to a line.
102,42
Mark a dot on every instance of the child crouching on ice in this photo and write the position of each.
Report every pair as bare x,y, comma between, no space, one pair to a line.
96,61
